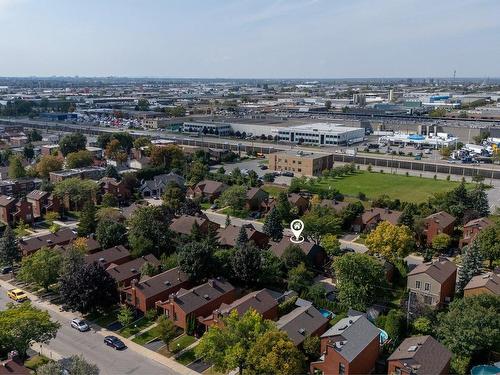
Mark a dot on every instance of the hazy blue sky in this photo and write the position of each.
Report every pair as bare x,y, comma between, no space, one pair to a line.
250,38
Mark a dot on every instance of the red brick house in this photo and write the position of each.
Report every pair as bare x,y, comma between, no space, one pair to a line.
315,254
184,224
419,355
207,189
472,229
43,202
351,346
302,322
118,189
115,255
229,235
186,306
433,283
262,301
124,273
144,294
369,219
13,365
13,210
296,200
440,222
32,244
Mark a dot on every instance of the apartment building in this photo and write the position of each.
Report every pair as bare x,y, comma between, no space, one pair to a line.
303,163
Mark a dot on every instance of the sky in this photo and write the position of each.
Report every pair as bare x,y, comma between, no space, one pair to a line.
250,38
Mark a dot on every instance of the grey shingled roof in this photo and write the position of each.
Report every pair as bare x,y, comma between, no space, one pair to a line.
192,299
301,323
427,355
351,335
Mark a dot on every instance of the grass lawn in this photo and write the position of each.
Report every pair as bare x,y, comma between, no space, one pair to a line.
205,205
272,190
181,342
105,319
135,327
147,336
36,361
242,214
187,357
405,188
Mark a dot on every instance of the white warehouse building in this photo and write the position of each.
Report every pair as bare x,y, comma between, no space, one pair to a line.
322,134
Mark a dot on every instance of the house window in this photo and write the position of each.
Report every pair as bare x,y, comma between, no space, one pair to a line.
428,300
427,287
129,298
417,284
341,369
175,317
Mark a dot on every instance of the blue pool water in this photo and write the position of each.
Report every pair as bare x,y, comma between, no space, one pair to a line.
383,336
327,314
485,370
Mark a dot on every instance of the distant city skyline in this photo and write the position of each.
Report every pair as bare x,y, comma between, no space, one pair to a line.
250,38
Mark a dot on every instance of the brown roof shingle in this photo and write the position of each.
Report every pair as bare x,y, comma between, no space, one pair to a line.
439,270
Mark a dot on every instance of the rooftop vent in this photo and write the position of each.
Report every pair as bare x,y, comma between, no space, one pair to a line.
206,296
101,260
133,270
167,283
49,241
302,331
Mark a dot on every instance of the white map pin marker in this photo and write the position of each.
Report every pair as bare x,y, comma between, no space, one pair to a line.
297,226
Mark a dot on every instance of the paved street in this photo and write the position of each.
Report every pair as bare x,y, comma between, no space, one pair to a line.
90,344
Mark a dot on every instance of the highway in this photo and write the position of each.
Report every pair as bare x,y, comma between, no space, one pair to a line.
90,344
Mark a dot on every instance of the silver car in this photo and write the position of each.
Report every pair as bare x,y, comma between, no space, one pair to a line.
80,324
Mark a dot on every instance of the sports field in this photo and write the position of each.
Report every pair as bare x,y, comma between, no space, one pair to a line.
409,189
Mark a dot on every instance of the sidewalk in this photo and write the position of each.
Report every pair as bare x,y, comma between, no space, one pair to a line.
170,363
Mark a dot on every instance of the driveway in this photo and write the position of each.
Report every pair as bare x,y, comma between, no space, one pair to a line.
90,344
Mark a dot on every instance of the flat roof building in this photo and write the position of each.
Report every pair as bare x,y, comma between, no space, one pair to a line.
321,134
300,162
208,127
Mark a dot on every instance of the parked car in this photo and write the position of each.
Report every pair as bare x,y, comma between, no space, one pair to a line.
114,342
5,270
214,206
287,174
263,167
17,295
255,215
80,325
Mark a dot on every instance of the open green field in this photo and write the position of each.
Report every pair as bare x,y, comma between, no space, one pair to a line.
374,184
273,190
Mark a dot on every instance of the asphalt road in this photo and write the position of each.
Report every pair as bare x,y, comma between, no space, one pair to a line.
90,344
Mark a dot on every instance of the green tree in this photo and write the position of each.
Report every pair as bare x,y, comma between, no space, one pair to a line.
125,315
293,256
76,190
22,325
41,267
9,250
320,221
142,105
331,244
242,238
300,278
393,242
16,169
312,347
471,325
72,261
72,142
234,197
142,142
228,347
228,221
112,172
395,324
109,200
195,259
149,269
275,353
111,233
148,231
75,365
166,330
488,243
87,224
174,196
89,289
471,266
246,263
360,280
28,151
422,326
197,172
479,200
34,136
283,207
79,159
272,225
47,164
441,242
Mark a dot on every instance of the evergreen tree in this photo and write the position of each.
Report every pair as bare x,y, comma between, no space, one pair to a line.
273,226
88,223
196,234
479,200
242,239
247,264
9,251
228,220
471,266
283,206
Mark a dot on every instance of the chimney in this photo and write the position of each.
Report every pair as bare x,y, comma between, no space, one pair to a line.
211,282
